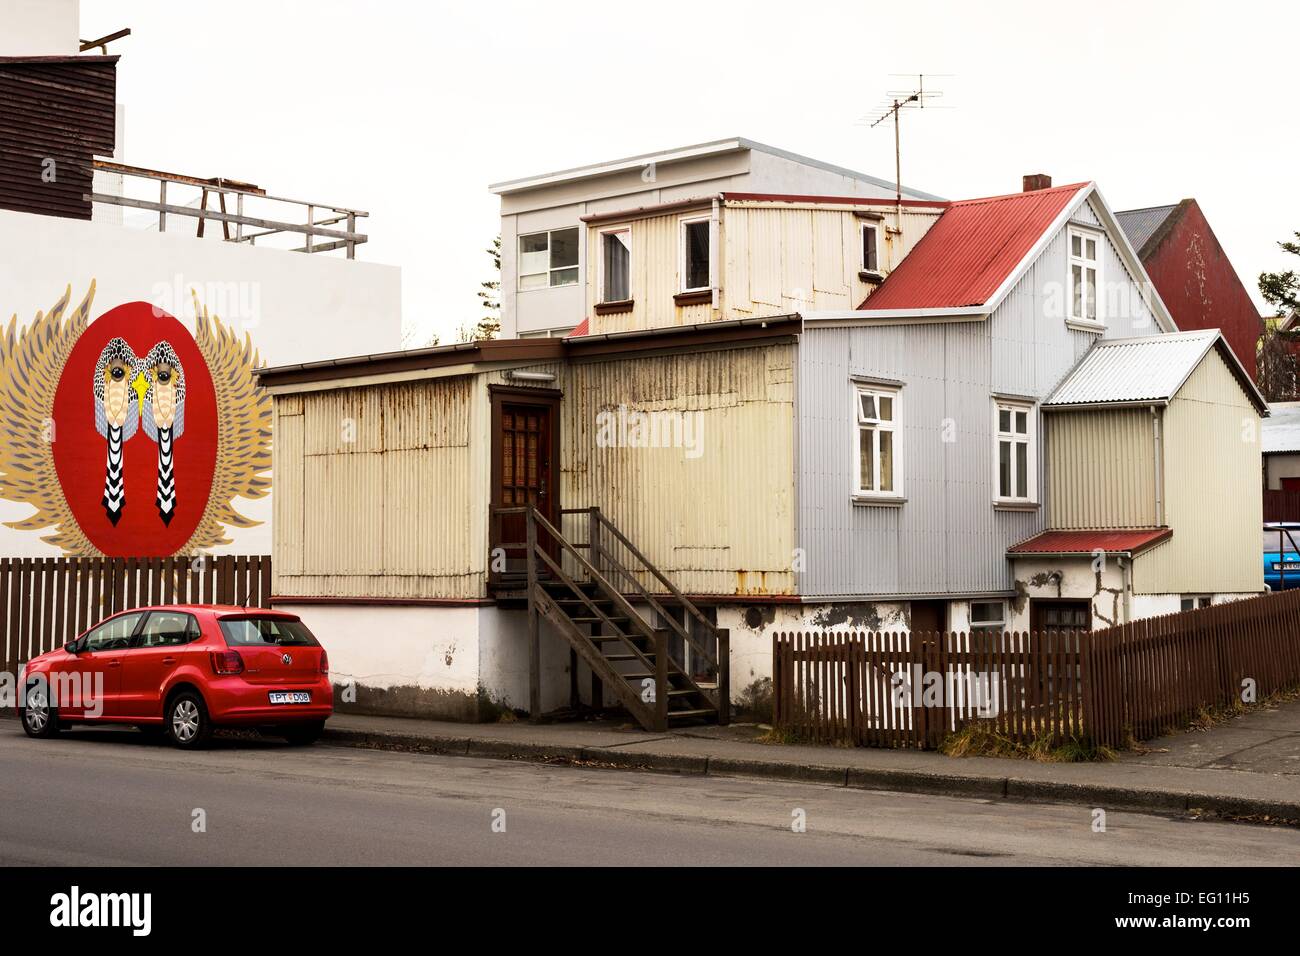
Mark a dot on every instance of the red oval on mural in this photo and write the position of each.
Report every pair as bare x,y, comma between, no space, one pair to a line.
81,453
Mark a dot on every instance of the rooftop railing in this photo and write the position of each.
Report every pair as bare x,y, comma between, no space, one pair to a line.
320,227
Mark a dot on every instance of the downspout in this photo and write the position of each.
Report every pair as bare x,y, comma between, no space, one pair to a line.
1160,469
1126,587
715,237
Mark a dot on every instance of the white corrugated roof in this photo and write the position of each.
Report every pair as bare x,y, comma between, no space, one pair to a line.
1147,369
1280,432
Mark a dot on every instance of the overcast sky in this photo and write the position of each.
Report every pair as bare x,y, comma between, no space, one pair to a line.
410,109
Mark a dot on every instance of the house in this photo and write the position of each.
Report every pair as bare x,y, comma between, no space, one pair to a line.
1280,446
787,411
1192,273
544,217
104,265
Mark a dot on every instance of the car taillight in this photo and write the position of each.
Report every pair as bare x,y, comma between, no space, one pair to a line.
227,662
324,663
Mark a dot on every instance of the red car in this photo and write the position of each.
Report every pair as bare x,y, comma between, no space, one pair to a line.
184,669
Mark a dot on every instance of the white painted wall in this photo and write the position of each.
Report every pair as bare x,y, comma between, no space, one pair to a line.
1279,466
39,27
296,307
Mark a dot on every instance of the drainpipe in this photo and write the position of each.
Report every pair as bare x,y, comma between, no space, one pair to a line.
715,236
1126,586
1160,467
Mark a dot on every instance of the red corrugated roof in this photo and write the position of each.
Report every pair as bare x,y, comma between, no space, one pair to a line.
971,250
1086,542
580,329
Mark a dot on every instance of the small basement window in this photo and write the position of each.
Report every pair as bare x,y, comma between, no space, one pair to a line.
1193,602
877,410
694,270
988,615
548,259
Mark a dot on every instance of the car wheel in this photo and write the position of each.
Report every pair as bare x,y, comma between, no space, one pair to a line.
303,734
188,725
39,719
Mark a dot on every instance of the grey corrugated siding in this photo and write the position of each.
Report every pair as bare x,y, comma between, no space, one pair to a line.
947,538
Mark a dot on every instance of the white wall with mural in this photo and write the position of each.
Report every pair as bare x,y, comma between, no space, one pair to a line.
130,421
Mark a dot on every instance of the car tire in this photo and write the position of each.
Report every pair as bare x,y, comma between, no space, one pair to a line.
303,734
41,720
187,723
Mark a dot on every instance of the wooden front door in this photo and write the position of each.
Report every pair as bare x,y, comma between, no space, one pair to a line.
525,463
1046,614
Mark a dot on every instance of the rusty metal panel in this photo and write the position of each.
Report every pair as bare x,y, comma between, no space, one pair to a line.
691,507
56,115
1212,491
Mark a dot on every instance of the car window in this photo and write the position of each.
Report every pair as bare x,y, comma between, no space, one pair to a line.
113,634
167,628
265,632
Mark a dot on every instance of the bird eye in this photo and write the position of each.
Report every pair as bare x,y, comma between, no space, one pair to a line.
164,375
118,373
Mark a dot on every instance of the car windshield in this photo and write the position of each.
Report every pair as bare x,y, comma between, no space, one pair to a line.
1289,539
265,632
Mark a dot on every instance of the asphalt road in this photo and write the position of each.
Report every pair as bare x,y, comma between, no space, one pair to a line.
114,797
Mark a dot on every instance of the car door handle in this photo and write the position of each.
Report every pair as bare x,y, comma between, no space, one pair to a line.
114,663
169,660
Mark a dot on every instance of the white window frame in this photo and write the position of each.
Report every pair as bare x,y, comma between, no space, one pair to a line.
682,223
600,262
1084,235
999,625
874,228
1029,439
550,270
1198,601
877,426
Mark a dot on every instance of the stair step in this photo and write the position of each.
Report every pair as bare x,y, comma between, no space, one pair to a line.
601,620
699,712
615,658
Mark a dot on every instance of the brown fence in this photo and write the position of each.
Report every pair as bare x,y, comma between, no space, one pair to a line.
1134,681
46,602
1281,505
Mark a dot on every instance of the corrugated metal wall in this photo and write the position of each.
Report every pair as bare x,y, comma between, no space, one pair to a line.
1101,468
381,491
1213,498
719,523
60,110
947,538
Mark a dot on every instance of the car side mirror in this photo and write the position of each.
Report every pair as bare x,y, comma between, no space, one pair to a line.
73,647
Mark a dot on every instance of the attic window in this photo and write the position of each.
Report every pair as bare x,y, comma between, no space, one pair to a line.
695,272
870,242
1085,277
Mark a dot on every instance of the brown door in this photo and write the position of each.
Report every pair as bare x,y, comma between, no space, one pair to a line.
524,465
929,616
1054,615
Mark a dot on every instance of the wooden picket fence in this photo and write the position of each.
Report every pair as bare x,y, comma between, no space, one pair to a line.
46,602
1107,687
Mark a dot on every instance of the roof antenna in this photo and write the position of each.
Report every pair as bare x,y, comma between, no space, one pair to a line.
914,97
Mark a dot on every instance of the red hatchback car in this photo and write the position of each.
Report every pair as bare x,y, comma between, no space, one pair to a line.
184,669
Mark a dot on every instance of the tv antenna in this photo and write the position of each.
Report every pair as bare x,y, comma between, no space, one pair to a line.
915,96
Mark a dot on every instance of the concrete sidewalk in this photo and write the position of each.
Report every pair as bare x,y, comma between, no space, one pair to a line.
1247,768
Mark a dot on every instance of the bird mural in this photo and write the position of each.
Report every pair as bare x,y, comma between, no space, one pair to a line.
117,415
163,413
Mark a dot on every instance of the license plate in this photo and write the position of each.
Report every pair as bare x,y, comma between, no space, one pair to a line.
290,697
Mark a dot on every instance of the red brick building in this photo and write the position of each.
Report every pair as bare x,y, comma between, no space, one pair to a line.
1192,273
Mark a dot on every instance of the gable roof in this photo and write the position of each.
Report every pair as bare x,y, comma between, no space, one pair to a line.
1144,371
1143,225
971,250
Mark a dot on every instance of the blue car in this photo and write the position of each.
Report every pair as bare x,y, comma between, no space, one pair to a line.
1281,555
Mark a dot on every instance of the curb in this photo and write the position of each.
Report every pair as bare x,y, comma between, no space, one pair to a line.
1176,802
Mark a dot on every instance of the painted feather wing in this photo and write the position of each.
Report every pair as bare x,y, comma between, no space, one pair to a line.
31,361
150,427
243,429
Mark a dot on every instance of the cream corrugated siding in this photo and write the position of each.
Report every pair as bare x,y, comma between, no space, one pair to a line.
1213,499
722,523
392,495
287,504
1100,469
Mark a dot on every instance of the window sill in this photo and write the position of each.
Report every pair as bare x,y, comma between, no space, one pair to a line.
1081,326
878,501
870,275
609,308
699,297
1016,505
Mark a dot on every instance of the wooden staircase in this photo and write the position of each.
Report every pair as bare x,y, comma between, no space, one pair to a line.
595,595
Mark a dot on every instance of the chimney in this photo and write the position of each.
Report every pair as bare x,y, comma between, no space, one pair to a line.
1037,181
